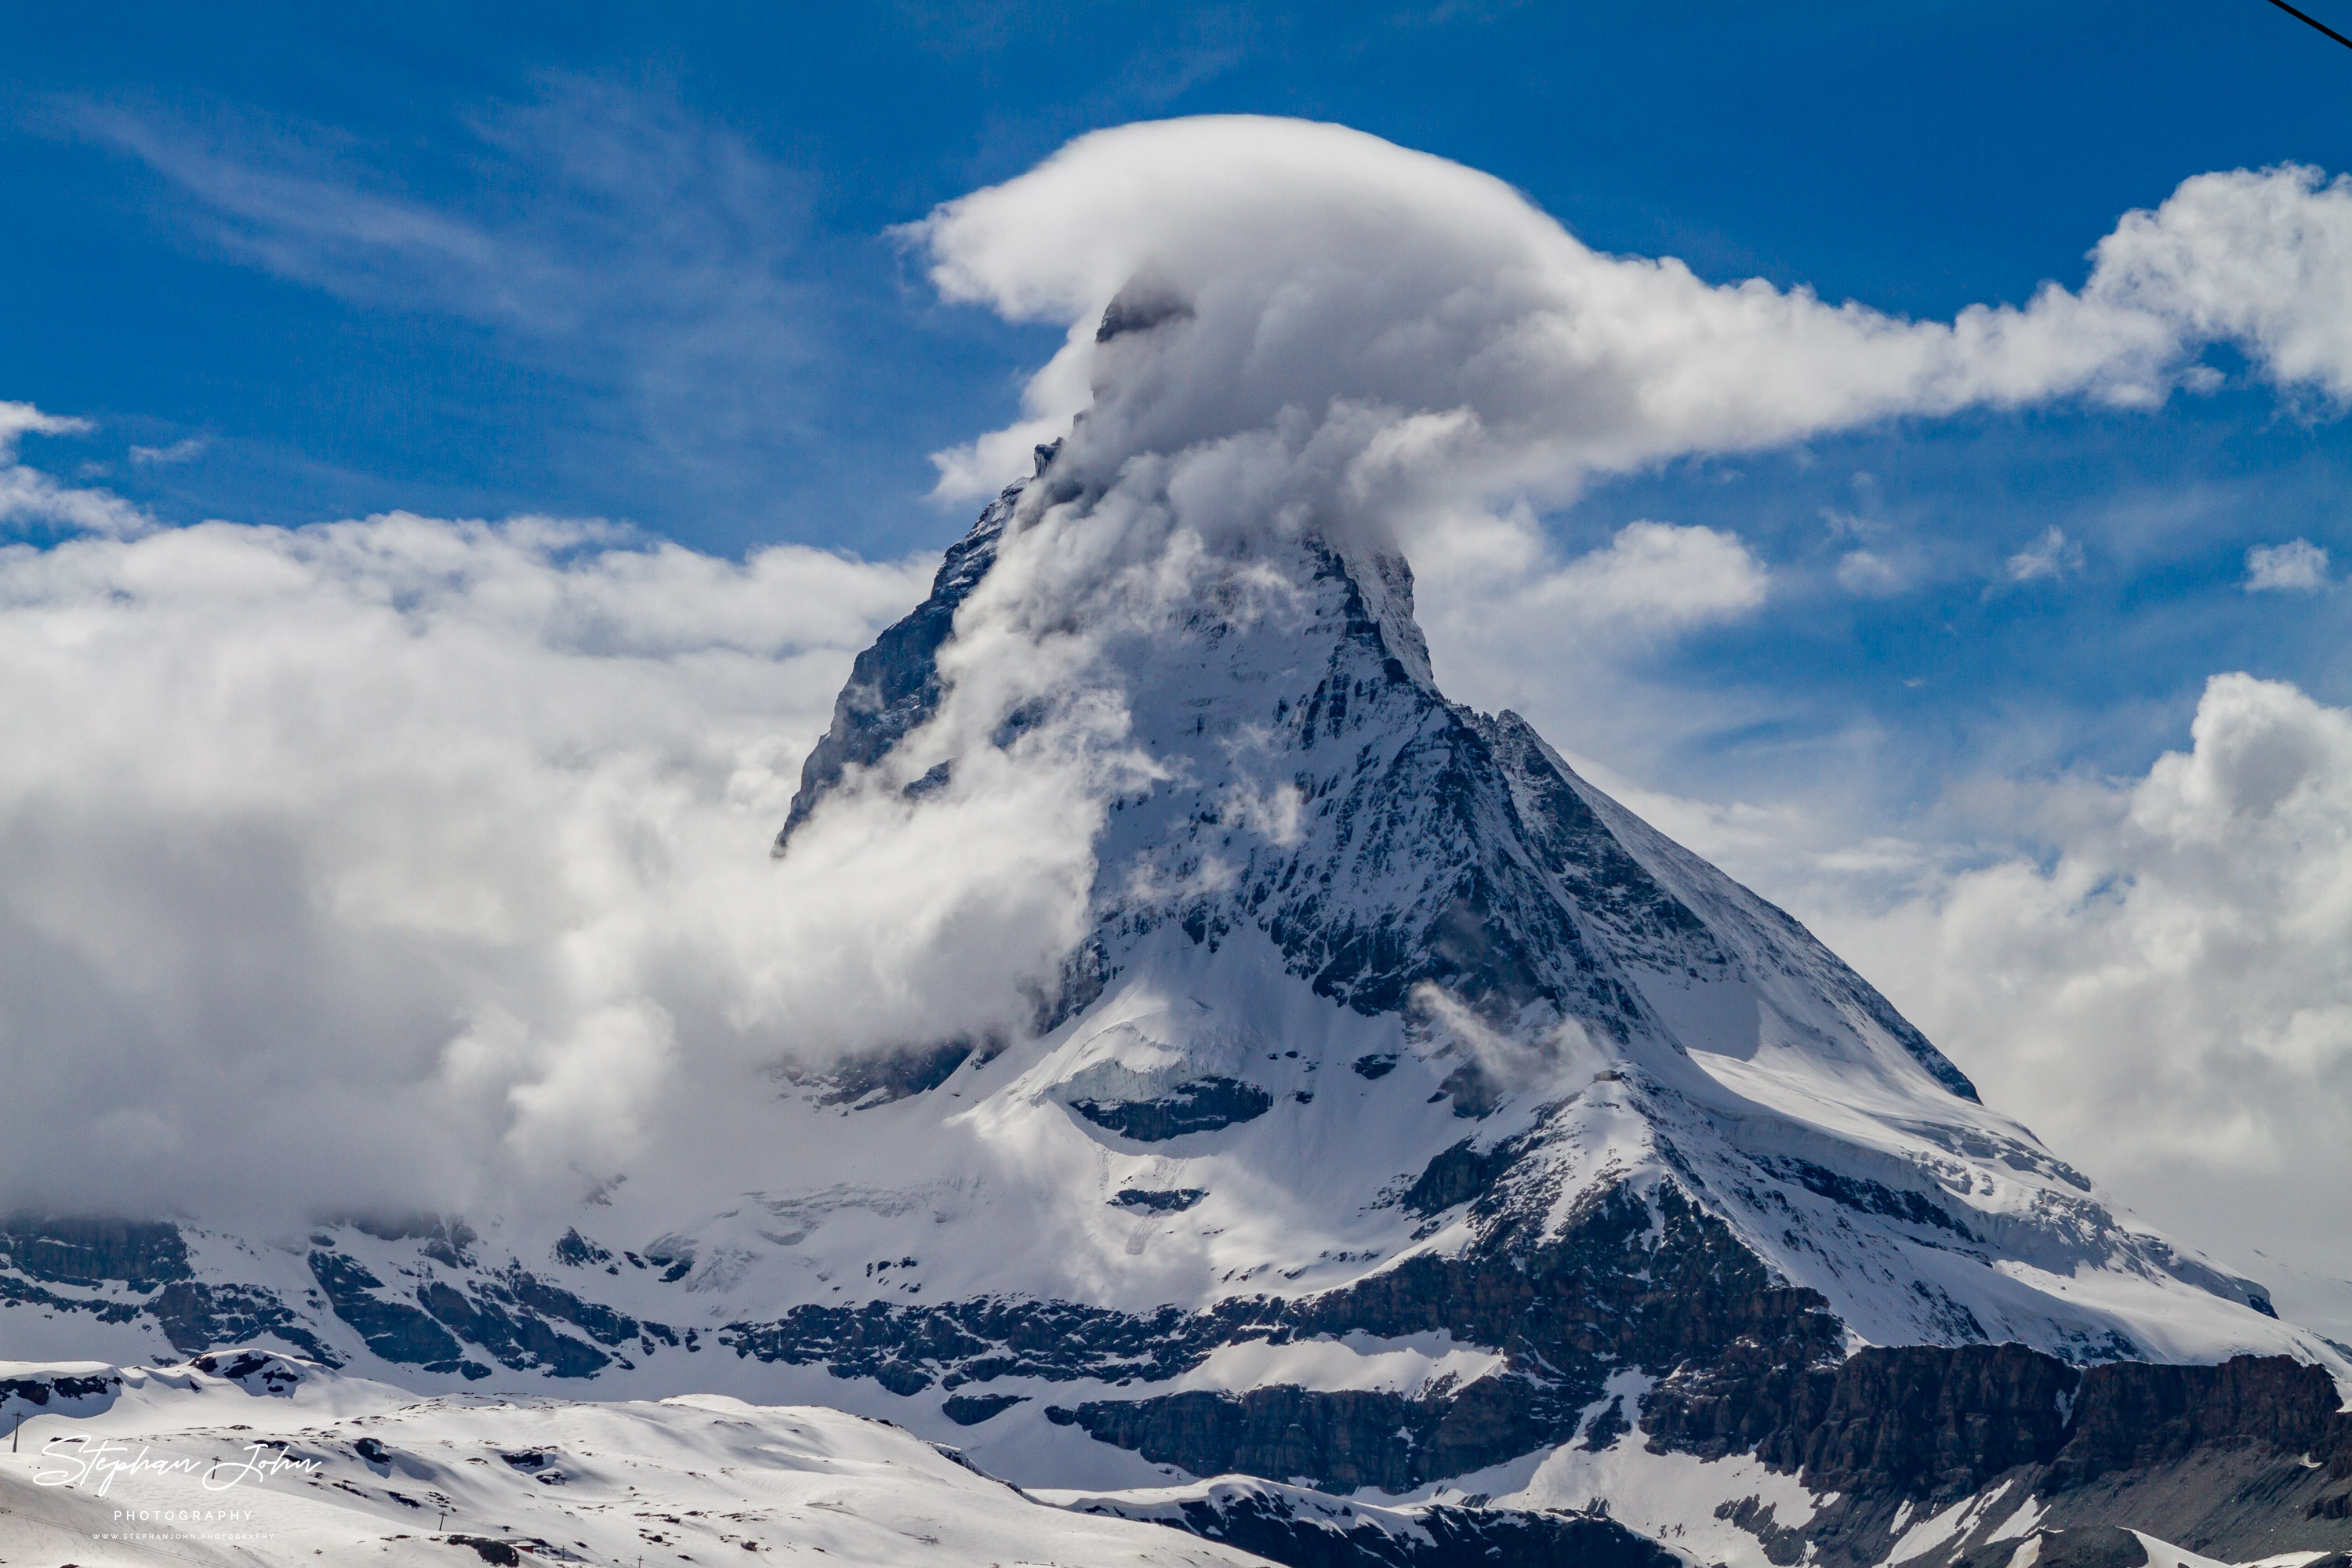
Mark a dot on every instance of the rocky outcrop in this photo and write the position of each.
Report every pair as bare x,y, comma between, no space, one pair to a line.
1628,1283
2241,1457
136,1270
2087,1546
1931,1421
2136,1416
1302,1531
1203,1105
93,1251
66,1393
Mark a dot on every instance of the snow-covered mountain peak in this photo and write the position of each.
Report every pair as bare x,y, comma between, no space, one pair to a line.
1319,860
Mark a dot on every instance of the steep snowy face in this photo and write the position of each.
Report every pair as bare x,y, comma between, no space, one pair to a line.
1603,1013
1302,778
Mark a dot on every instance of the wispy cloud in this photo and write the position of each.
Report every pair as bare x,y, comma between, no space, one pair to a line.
31,499
606,232
2049,557
179,451
2298,566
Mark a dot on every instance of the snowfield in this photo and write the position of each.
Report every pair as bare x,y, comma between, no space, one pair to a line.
290,1463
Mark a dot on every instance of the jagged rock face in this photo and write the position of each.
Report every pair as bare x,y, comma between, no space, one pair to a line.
2245,1458
1383,838
1297,1528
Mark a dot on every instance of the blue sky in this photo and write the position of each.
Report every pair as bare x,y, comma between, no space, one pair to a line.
680,306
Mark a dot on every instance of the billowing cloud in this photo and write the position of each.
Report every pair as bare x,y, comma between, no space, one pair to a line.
2164,993
417,863
1443,331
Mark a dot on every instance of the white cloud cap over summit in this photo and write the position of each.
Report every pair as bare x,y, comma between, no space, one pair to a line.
1318,274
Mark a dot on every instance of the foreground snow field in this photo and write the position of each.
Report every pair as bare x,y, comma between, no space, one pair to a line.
179,1464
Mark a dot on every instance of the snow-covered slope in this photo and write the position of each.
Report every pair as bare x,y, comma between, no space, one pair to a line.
1407,1109
255,1459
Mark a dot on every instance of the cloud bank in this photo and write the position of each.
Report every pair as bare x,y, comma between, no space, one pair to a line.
409,863
2166,992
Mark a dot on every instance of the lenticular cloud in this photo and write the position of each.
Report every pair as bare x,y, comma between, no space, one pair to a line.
1431,337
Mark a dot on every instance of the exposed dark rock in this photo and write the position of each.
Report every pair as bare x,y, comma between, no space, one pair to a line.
1139,307
2085,1546
602,1322
393,1330
1374,1066
983,1339
19,1292
1455,1176
2136,1415
40,1389
269,1373
1607,1426
894,686
1304,1529
493,1551
515,1338
863,1082
1924,1420
142,1254
446,1241
1203,1105
196,1317
577,1251
1621,1286
1345,1440
1174,1200
971,1409
1869,1196
193,1317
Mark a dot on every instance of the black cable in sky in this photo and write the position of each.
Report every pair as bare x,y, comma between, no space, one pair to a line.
2313,21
